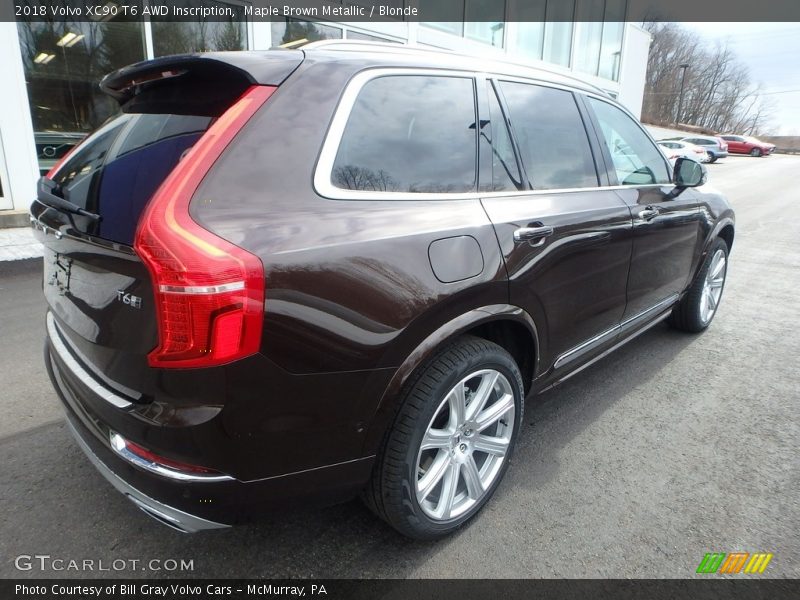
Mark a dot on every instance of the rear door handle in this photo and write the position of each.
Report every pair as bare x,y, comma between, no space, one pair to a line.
533,234
650,212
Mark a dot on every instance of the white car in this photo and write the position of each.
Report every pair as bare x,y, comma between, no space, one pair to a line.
675,148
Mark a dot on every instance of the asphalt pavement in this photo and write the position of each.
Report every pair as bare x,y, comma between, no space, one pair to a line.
674,446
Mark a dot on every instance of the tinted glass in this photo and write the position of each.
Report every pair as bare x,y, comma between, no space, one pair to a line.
553,143
410,134
119,167
637,161
287,31
496,141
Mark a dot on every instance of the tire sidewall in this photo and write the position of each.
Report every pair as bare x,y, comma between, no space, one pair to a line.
501,362
719,244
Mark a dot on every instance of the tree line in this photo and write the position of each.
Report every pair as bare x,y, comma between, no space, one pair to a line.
719,93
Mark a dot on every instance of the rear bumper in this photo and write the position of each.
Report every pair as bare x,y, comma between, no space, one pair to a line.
168,515
719,153
188,506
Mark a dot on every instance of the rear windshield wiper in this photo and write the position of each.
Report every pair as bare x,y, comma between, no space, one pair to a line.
48,198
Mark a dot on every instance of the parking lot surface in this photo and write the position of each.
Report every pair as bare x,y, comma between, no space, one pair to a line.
674,446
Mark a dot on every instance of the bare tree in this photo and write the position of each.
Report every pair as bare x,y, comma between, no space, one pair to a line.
719,94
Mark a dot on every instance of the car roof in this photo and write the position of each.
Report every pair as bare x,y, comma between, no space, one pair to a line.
700,137
398,55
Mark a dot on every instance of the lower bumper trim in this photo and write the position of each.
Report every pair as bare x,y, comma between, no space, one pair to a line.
167,515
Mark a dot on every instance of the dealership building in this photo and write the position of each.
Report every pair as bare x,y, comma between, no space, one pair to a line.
51,70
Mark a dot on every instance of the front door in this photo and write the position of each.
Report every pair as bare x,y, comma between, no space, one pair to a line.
566,240
667,227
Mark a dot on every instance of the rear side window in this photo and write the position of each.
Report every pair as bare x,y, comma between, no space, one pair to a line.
409,133
552,139
636,160
116,170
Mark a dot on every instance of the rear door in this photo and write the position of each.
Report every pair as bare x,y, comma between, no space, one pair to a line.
566,240
666,226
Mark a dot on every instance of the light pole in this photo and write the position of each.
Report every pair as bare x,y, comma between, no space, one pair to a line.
683,66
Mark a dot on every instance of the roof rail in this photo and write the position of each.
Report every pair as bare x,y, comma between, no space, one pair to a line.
355,45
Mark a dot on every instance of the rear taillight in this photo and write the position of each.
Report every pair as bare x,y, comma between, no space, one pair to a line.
209,293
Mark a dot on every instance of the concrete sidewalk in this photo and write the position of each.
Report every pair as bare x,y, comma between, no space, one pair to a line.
18,243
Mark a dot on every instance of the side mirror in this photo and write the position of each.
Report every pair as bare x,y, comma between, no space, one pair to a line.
688,173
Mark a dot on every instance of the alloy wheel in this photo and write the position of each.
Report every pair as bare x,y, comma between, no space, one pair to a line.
465,445
712,288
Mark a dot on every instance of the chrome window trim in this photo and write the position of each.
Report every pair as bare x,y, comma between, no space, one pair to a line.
330,147
69,361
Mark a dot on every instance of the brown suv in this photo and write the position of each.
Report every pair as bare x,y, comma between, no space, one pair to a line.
307,275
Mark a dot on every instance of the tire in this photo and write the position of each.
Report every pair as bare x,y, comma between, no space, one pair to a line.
697,308
712,158
755,152
399,492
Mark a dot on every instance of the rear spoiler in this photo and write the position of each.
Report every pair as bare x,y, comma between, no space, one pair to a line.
197,84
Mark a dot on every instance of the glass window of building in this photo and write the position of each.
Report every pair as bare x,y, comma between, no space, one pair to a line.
480,20
530,26
63,63
558,32
599,38
357,35
485,21
294,30
611,46
410,133
180,37
441,11
588,36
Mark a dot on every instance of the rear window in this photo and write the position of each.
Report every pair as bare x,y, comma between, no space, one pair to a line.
409,133
116,170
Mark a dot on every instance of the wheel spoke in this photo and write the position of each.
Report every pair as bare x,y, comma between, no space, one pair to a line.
482,394
717,266
436,438
472,478
495,446
716,284
457,404
433,475
494,412
449,486
712,302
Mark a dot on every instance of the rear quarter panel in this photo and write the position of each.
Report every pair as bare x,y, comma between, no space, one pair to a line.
350,288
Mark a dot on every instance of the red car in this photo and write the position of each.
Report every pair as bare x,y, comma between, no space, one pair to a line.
743,144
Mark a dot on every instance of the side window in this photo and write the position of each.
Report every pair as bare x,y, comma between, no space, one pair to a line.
410,133
636,159
552,139
496,141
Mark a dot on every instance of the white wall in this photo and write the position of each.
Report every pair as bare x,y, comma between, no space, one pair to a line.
633,69
16,129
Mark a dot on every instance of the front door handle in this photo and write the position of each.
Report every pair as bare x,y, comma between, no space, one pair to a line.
650,212
533,234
